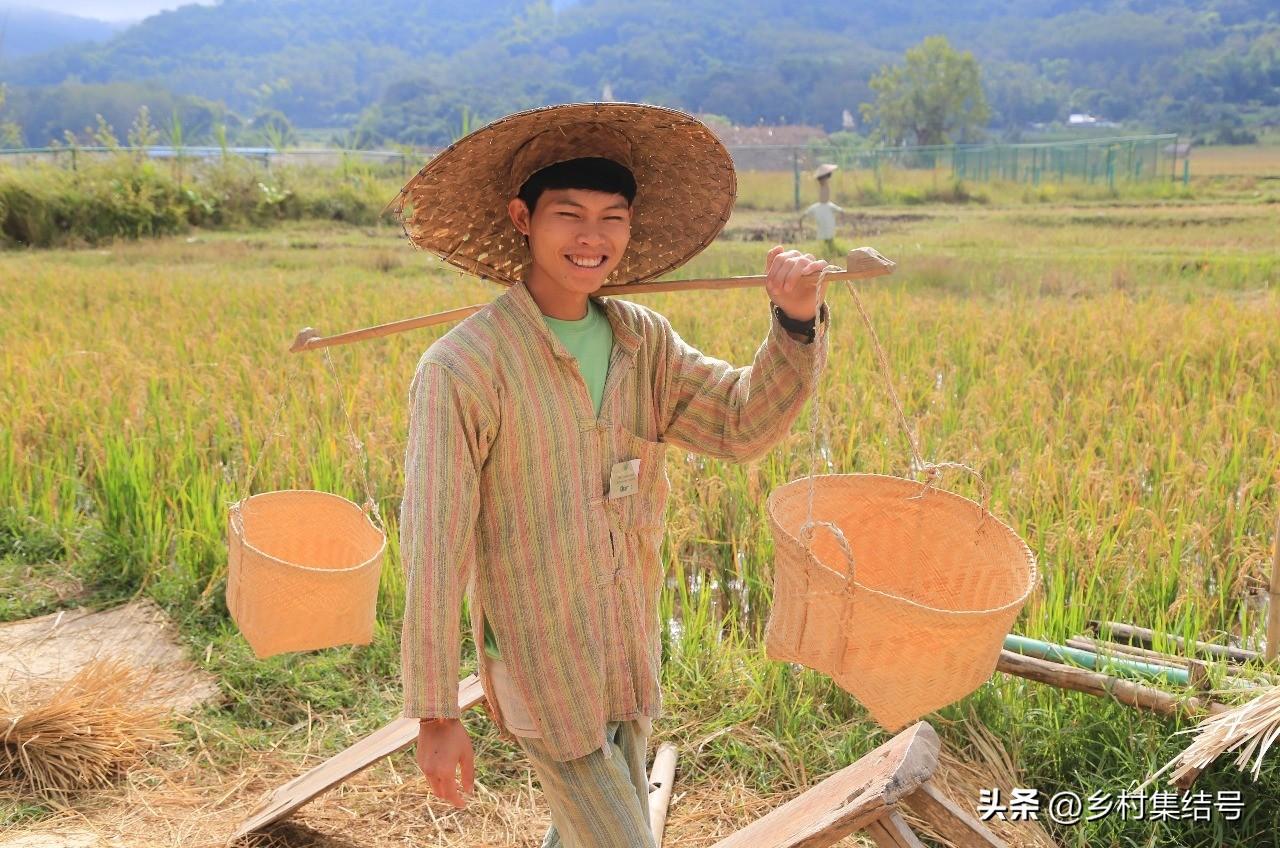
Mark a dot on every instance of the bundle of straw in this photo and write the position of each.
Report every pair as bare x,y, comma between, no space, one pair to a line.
1251,727
87,732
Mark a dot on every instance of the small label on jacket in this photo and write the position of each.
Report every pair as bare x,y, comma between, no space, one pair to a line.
624,478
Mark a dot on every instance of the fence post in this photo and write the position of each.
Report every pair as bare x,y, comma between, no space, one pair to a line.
795,168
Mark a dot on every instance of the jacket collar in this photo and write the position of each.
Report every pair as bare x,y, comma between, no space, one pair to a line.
526,309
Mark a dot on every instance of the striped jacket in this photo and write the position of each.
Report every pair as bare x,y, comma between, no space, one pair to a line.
507,471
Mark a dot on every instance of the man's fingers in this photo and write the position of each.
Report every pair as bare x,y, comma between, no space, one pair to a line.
468,772
446,788
795,269
771,255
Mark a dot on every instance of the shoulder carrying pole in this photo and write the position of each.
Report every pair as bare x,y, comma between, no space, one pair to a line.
862,263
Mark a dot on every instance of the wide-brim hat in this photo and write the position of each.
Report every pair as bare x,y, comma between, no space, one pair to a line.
456,206
825,170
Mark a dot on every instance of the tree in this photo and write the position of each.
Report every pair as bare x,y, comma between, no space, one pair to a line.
10,132
935,98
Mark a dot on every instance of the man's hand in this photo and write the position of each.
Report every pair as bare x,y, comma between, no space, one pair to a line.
444,747
784,270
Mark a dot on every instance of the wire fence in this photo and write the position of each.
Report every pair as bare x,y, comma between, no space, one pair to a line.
1128,159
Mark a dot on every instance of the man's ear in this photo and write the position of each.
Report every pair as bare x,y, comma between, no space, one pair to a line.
519,212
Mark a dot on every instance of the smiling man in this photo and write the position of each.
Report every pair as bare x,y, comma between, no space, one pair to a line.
534,470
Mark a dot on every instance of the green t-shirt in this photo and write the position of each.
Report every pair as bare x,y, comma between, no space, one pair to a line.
590,340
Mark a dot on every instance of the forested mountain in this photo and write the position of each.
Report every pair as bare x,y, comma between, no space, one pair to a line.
405,69
25,31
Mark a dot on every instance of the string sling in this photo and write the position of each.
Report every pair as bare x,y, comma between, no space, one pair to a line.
303,566
906,596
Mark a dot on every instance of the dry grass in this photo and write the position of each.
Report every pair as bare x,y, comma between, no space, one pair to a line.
173,800
85,735
1261,160
1249,729
172,803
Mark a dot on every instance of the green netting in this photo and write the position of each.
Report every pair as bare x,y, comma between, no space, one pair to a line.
1107,160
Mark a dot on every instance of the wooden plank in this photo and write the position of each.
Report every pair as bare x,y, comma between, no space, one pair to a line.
892,832
392,738
949,820
848,800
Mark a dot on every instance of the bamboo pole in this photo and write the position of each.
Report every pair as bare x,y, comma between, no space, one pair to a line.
661,781
1273,599
1089,659
1100,647
862,263
1195,667
1146,638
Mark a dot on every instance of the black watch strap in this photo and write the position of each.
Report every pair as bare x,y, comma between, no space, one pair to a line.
808,328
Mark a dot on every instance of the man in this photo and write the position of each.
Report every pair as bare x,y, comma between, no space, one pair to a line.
538,429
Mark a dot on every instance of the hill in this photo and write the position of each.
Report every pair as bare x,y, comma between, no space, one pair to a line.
27,32
405,70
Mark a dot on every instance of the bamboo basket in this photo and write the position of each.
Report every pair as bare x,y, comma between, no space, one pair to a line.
915,618
303,571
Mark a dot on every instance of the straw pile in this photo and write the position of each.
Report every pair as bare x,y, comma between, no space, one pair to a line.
1250,728
84,735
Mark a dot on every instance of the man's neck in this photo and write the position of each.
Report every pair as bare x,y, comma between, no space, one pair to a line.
554,301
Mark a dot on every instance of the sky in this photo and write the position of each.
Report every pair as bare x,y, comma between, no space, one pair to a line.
106,10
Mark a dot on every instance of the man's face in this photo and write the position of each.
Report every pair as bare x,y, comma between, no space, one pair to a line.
577,236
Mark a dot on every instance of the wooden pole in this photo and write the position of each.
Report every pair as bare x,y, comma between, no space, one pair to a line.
863,264
1146,638
1273,599
661,780
1095,683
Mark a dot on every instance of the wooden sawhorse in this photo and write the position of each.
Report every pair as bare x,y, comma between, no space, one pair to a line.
865,796
861,796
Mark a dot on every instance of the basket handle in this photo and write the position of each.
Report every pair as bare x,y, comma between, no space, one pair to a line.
806,535
933,469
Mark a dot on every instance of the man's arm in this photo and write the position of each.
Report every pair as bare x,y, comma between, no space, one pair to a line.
710,407
449,437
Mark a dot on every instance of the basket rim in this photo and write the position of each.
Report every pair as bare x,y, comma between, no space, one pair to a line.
235,506
1032,571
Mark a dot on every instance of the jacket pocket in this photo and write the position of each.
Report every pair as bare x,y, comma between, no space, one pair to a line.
644,510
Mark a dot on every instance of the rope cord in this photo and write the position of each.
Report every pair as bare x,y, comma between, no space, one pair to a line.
930,470
370,504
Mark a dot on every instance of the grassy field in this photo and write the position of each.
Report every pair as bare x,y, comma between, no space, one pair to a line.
1109,363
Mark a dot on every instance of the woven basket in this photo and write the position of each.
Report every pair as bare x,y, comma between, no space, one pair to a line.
917,620
303,571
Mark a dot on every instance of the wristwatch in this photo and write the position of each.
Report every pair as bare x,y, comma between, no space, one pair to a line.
809,328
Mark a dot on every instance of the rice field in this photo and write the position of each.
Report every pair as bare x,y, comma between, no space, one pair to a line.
1109,364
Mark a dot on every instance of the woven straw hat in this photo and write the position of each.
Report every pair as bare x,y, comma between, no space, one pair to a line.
456,206
825,170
